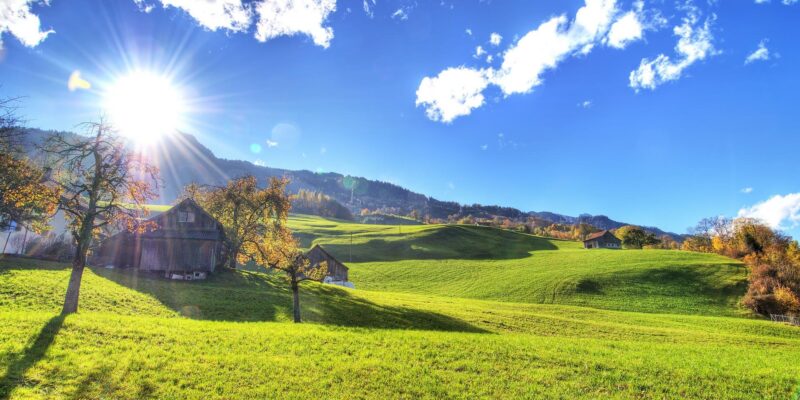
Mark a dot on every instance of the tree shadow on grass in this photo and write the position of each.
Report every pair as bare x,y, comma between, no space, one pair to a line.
250,297
17,368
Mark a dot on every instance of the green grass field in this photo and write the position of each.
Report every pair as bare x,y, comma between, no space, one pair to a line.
545,320
490,264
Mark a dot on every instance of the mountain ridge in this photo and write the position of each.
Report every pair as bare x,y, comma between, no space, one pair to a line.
184,160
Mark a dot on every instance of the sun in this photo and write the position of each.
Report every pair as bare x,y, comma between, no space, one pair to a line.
144,106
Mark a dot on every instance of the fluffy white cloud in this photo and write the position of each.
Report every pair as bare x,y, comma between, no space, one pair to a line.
695,43
479,51
544,47
457,91
230,15
17,19
626,29
453,93
294,17
272,18
760,54
747,190
778,211
495,39
468,31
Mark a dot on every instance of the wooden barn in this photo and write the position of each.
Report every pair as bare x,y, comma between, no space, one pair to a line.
602,240
186,243
336,270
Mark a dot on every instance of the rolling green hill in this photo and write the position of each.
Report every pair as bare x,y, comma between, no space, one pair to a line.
543,321
492,264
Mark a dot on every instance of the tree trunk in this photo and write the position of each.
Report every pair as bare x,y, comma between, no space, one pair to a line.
232,262
296,300
74,286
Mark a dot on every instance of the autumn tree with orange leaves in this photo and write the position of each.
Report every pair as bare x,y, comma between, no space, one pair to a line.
103,184
25,198
254,220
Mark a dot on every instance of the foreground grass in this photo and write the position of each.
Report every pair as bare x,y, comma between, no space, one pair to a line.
103,356
130,342
492,264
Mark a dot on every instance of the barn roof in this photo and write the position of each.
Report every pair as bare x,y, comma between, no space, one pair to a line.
597,235
326,254
160,233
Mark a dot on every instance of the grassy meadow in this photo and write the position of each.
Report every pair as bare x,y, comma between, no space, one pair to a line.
439,312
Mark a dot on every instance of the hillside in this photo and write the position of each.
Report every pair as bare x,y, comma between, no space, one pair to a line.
493,264
131,342
182,160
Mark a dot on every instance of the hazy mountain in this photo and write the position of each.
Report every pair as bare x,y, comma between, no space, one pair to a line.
184,160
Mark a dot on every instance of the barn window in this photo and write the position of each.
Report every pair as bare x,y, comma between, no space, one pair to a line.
185,216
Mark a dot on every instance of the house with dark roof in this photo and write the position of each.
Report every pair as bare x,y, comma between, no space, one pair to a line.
185,244
602,240
337,272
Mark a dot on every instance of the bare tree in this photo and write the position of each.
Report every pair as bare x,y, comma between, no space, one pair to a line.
103,184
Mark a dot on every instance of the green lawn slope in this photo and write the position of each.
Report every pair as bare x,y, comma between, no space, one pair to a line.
139,337
440,312
493,264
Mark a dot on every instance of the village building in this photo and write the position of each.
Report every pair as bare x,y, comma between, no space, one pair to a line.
602,240
337,272
185,244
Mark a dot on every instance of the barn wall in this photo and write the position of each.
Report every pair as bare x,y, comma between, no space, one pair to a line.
175,254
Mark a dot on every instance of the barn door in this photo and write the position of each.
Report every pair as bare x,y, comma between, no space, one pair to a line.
150,256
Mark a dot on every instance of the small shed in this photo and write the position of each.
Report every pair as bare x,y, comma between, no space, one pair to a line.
186,241
602,240
336,270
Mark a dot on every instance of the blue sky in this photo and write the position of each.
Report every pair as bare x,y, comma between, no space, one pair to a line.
655,112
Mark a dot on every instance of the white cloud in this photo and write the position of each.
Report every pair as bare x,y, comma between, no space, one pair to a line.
271,143
524,62
760,54
778,211
468,31
543,48
747,190
272,18
495,39
400,14
695,43
368,6
784,2
293,17
453,93
259,163
230,15
17,19
626,29
489,58
585,104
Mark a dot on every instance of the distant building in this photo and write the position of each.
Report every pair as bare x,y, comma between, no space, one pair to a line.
186,244
602,240
337,272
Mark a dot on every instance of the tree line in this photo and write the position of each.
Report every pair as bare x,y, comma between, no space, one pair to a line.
772,258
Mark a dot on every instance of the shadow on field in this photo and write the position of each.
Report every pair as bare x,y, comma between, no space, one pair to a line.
246,296
32,354
449,242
